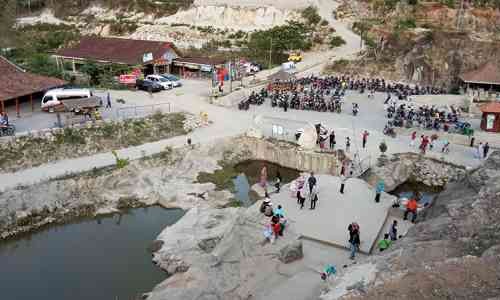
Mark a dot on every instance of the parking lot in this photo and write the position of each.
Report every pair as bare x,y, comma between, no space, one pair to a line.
135,104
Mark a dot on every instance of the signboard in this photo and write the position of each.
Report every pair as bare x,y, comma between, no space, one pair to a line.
206,68
147,57
128,79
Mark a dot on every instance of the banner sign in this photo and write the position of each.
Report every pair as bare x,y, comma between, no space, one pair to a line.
128,79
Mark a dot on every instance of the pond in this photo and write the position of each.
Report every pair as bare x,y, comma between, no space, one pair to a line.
104,258
249,174
409,190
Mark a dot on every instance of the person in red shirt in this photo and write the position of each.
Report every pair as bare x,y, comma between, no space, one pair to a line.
276,229
411,207
423,145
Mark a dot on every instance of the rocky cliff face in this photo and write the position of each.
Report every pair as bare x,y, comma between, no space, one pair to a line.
453,254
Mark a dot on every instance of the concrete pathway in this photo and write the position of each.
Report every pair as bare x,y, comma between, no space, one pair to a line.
335,211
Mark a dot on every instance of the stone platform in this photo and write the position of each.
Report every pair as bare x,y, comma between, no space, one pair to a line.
334,211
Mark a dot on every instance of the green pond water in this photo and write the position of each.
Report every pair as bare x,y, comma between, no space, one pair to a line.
94,259
249,174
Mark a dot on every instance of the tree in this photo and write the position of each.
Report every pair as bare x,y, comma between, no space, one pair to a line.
278,40
310,14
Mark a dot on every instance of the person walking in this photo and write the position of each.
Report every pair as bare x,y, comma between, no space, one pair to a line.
354,243
300,198
379,190
343,180
347,144
480,150
365,138
311,181
413,138
277,185
314,198
351,228
393,230
332,140
486,149
108,101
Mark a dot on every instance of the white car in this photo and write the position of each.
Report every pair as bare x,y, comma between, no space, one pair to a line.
172,78
162,81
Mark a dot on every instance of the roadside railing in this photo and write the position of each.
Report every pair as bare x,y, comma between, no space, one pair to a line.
140,111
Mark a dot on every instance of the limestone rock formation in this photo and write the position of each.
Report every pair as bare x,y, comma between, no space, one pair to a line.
410,166
221,254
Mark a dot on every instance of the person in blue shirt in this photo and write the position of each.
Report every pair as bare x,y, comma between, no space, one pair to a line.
279,211
379,190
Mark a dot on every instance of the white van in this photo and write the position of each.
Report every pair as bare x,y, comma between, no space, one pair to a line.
52,100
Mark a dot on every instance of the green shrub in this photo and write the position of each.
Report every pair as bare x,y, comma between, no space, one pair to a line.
406,24
336,41
120,162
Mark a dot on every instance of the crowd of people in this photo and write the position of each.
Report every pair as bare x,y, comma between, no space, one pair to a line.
325,94
306,189
411,115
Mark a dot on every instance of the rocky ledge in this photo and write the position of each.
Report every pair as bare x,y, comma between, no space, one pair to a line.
222,254
400,168
453,254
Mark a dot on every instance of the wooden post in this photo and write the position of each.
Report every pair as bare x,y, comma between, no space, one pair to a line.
31,102
17,108
3,106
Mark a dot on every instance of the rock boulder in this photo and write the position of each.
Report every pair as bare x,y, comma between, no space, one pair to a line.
291,252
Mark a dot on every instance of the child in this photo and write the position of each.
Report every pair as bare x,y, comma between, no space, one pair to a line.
385,243
329,270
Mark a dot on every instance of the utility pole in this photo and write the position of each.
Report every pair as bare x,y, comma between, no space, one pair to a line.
270,52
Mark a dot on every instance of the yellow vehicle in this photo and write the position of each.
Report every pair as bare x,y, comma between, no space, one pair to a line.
295,57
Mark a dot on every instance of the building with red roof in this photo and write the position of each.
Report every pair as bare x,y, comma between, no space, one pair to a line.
153,54
483,83
17,85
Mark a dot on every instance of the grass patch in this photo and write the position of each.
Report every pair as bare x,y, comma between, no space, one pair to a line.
222,178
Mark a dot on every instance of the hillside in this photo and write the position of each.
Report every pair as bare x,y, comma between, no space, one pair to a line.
427,42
